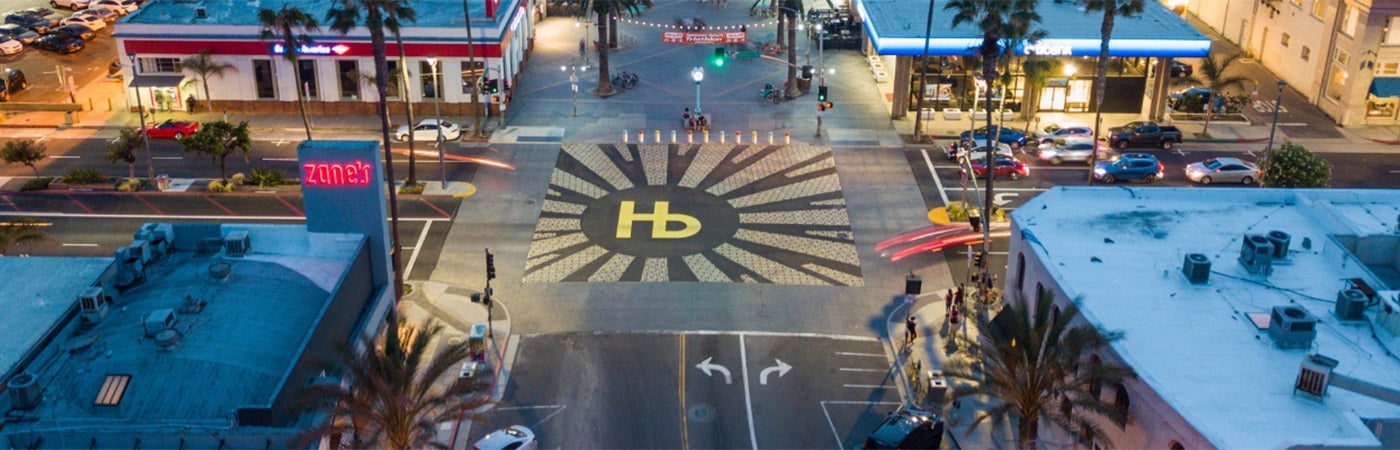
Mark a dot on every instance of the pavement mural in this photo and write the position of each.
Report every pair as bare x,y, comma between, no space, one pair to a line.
711,212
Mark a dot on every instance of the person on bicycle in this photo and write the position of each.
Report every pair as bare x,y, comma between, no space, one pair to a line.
688,118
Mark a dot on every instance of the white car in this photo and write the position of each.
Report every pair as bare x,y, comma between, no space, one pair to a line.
427,131
70,4
956,152
514,437
1073,149
87,20
1062,131
9,46
122,7
105,14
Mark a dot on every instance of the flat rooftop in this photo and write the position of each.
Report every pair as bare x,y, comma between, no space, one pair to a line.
233,352
430,13
897,27
1118,253
34,300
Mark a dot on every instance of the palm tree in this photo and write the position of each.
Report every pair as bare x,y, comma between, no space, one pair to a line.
789,11
123,149
204,66
1037,71
18,231
290,25
605,9
1037,366
390,396
471,62
392,22
1212,75
343,17
1111,9
1004,23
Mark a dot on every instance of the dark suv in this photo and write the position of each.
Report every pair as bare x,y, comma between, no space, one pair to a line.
38,24
907,428
1131,167
11,81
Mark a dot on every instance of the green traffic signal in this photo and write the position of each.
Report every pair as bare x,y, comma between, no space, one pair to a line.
718,59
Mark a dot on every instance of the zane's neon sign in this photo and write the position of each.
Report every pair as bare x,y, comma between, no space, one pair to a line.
351,174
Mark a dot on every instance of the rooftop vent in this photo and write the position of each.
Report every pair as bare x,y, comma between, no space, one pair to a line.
237,244
94,304
1314,374
1256,254
1197,268
25,392
1280,241
1292,327
158,321
199,13
1351,304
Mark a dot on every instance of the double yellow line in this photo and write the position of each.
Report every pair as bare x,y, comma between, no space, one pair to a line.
680,389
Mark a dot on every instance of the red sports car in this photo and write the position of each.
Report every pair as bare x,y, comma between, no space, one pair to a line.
1005,168
171,129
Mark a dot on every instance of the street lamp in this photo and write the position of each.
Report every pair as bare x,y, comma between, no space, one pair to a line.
574,68
437,111
821,75
583,40
141,112
1278,100
697,74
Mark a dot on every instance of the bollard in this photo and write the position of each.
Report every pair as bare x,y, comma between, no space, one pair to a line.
657,133
673,136
754,136
109,103
690,136
738,137
626,136
707,136
722,136
787,138
770,137
90,108
641,137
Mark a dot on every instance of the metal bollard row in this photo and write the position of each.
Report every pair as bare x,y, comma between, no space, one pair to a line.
705,137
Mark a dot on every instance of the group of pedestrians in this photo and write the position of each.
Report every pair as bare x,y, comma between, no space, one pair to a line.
952,303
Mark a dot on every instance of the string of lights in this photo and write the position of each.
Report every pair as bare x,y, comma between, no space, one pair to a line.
670,26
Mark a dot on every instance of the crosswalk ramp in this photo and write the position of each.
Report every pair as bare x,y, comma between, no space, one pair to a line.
527,135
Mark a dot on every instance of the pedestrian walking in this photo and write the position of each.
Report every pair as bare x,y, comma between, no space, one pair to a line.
948,301
958,297
953,319
911,331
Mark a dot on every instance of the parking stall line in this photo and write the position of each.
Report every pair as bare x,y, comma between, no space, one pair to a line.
863,386
220,205
425,201
936,181
288,205
149,205
80,204
827,412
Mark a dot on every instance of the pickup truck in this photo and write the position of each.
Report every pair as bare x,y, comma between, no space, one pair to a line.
1144,134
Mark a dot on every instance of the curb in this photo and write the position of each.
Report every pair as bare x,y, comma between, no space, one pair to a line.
1385,141
1226,140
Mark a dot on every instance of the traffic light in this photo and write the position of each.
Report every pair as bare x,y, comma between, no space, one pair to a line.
821,92
718,59
807,71
493,85
490,266
977,259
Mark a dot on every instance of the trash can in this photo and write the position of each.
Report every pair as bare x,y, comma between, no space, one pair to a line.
804,84
937,388
162,182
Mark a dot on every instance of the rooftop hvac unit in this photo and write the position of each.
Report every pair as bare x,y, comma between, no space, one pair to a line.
1256,254
93,304
24,391
1197,268
1280,241
199,13
1292,327
237,244
1314,375
1351,304
158,321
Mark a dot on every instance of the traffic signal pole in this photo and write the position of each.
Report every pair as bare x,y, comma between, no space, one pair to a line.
486,299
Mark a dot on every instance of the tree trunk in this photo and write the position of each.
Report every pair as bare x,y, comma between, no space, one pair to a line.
604,83
1028,433
778,37
1210,104
381,82
412,180
612,31
1110,11
792,91
131,170
296,75
471,62
207,101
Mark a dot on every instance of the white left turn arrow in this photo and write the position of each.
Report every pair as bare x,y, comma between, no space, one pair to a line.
707,366
782,368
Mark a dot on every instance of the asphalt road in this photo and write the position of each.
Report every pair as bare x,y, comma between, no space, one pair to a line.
696,390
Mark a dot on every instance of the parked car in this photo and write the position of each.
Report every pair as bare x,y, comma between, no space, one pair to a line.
964,149
1224,170
60,43
36,24
427,131
1129,167
53,18
70,4
10,46
107,15
1063,130
1190,100
11,82
1014,138
1144,134
1180,69
1005,168
122,7
514,437
171,129
1074,150
907,427
23,35
87,20
76,30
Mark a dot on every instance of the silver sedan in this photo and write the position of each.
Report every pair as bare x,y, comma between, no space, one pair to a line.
1223,170
427,131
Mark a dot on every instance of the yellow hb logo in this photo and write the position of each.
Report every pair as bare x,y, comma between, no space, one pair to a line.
660,217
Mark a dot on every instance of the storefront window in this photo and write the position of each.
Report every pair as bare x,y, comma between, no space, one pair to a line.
1335,82
1381,107
394,79
427,77
471,75
306,68
159,65
349,79
263,80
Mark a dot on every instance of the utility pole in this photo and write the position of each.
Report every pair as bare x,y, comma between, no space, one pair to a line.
141,112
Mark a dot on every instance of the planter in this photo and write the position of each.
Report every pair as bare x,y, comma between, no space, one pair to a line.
57,185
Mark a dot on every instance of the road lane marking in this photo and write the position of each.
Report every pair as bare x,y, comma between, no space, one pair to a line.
425,201
167,157
857,369
680,388
64,156
180,217
413,258
79,245
839,444
1395,171
863,386
936,181
779,334
872,355
748,399
279,159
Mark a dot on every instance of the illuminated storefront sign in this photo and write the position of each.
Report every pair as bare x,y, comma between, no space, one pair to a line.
351,174
313,49
1043,48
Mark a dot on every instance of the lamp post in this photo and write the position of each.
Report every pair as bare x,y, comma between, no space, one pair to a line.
697,74
821,75
583,40
141,112
574,68
437,111
1273,127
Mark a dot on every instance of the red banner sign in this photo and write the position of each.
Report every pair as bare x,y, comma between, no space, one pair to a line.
685,37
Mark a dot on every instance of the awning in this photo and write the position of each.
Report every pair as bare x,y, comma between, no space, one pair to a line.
164,81
1385,86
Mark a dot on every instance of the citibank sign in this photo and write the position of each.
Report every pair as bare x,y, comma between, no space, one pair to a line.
313,49
1042,48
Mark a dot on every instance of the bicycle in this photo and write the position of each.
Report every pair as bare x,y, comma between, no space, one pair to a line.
771,95
624,80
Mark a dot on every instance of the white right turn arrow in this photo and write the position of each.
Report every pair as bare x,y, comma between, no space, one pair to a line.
782,368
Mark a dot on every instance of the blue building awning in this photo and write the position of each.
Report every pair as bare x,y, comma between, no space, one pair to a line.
1385,86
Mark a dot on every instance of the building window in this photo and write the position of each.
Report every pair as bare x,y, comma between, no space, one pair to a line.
394,77
1337,78
1388,68
306,68
1307,53
1319,7
471,76
159,65
263,79
1284,39
1381,107
349,76
1020,272
1298,3
1342,57
1349,23
1392,32
427,77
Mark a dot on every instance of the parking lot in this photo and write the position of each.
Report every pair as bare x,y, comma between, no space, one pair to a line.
42,68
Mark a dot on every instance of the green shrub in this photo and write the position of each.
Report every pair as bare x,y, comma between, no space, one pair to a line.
130,185
237,179
84,176
36,184
267,177
216,186
412,189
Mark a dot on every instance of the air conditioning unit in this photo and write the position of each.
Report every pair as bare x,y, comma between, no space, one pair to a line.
155,236
1256,254
1292,327
25,392
199,13
1197,268
1351,304
1314,374
237,244
1280,241
93,304
158,321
